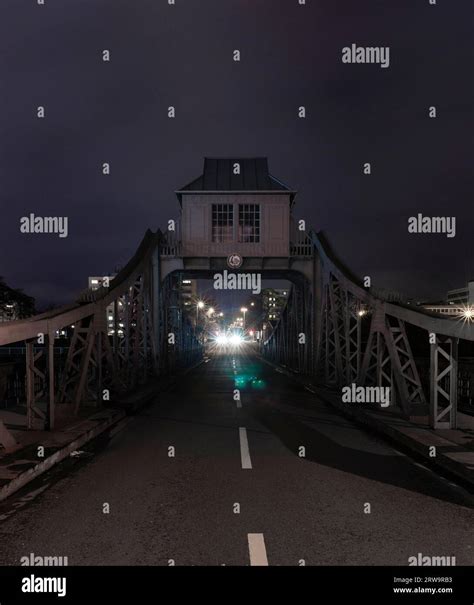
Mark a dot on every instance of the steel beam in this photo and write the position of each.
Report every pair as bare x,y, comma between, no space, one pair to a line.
443,382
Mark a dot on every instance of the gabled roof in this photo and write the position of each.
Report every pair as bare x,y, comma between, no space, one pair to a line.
218,175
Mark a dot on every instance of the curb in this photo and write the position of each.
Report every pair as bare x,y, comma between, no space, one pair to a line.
117,416
442,461
23,478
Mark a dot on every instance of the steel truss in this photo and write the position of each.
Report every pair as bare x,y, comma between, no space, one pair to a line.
443,382
332,329
360,338
102,364
289,346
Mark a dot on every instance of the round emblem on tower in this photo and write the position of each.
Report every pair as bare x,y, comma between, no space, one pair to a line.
234,261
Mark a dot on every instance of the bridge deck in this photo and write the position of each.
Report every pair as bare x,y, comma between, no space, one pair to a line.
182,507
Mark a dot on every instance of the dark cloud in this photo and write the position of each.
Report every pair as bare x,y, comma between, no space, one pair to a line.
182,55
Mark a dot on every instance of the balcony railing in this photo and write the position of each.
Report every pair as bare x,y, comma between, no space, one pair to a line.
300,244
171,242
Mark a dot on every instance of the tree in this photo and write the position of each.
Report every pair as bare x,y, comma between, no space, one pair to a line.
14,303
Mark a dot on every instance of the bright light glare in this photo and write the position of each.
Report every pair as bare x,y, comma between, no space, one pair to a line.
234,339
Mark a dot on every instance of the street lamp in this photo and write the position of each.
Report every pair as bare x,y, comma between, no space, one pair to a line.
199,305
211,311
244,311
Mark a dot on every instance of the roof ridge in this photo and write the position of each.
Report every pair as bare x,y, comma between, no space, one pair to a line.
254,176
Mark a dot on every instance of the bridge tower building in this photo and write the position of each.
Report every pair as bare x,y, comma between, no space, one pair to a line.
235,207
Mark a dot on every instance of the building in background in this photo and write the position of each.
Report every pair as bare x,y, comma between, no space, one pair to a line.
188,293
95,283
459,303
273,302
254,316
462,296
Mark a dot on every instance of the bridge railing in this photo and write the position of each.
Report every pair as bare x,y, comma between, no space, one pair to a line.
352,336
170,245
300,241
98,364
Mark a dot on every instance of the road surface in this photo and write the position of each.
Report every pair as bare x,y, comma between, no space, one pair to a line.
239,489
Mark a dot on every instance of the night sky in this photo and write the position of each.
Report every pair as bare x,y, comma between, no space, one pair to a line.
181,55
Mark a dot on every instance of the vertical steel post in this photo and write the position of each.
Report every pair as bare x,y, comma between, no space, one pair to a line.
317,311
50,417
155,302
116,327
443,382
30,383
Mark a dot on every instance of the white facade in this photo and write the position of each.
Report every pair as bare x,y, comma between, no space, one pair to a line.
198,225
463,296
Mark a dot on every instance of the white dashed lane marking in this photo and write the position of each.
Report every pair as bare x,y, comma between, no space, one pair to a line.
244,449
257,550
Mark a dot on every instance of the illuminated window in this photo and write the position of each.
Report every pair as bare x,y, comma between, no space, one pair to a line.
222,223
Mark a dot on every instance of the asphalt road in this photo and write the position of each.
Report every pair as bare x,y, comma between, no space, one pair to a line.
237,491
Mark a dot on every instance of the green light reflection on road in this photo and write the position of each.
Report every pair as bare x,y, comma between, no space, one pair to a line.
243,381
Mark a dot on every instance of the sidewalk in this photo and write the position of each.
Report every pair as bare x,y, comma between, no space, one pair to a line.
20,463
454,447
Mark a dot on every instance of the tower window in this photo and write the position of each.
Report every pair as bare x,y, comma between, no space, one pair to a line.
222,223
249,223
